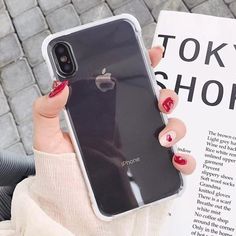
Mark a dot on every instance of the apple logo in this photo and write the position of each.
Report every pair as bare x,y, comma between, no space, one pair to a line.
104,82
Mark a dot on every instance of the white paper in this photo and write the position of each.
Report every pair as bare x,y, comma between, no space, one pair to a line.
208,205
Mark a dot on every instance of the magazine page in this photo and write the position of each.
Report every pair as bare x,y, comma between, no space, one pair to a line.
199,63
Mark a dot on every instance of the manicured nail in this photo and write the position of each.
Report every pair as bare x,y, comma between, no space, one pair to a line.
180,160
55,84
168,104
58,88
167,139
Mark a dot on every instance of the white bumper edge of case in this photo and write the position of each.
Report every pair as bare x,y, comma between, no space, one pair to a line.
134,22
131,19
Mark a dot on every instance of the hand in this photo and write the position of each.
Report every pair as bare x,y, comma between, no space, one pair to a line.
49,138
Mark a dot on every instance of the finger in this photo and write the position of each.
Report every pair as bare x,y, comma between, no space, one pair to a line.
155,55
49,106
46,112
184,163
172,133
167,101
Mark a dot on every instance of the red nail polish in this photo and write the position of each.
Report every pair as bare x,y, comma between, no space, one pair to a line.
55,84
168,104
180,160
59,87
168,138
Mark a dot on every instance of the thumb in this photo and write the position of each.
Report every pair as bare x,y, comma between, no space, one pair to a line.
46,119
49,106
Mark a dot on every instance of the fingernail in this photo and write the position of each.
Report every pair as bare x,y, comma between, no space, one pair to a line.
167,139
57,88
180,160
55,84
168,104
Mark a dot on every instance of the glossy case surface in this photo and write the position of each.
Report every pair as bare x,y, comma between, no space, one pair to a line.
113,117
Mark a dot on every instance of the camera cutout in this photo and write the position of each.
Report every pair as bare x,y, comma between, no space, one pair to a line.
64,59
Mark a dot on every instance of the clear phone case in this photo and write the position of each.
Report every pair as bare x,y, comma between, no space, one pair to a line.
113,116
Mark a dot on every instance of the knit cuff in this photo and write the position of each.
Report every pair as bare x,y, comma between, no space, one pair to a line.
56,172
39,154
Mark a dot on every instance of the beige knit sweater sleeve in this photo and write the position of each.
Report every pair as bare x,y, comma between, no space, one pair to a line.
55,202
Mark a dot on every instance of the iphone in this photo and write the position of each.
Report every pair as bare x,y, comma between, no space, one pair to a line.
112,114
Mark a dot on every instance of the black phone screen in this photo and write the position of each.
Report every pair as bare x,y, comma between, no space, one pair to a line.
115,119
